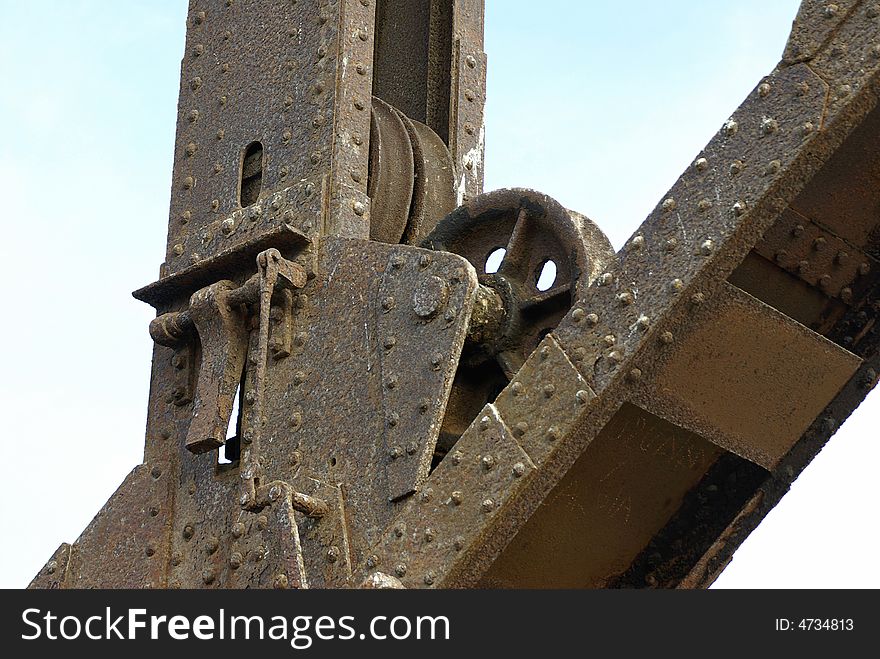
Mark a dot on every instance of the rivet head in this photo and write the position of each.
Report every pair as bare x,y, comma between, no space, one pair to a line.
238,530
372,561
521,429
739,208
358,208
549,390
458,543
773,167
296,420
429,297
516,388
592,320
552,433
846,294
701,164
518,469
831,11
429,535
212,545
274,493
615,356
208,576
626,298
398,530
769,126
704,205
471,61
577,315
637,243
456,498
388,303
280,582
484,423
188,532
235,560
606,279
731,128
676,285
436,361
764,89
643,323
668,204
389,342
487,506
488,462
583,396
156,473
736,167
457,458
697,299
332,554
609,340
667,338
400,570
634,375
150,550
178,250
395,452
227,226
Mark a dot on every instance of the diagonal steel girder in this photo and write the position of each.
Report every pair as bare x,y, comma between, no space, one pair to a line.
741,312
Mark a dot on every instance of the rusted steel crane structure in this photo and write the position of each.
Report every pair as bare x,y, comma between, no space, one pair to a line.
410,419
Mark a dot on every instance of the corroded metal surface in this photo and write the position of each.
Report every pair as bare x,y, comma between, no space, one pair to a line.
410,419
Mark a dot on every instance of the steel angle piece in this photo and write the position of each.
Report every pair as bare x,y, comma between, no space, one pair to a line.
433,541
424,301
746,377
544,400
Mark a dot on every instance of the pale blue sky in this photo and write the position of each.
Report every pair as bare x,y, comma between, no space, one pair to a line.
600,104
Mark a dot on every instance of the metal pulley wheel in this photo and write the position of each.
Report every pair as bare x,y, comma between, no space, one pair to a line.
534,259
411,182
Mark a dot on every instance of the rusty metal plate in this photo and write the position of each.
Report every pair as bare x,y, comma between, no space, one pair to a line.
747,377
53,574
265,550
431,540
816,22
468,98
817,256
544,400
426,301
131,532
371,319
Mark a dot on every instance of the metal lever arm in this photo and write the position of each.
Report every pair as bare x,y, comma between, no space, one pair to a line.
223,333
